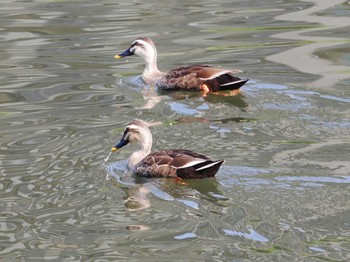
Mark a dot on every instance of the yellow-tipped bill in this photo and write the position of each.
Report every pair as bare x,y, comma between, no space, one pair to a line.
127,52
120,144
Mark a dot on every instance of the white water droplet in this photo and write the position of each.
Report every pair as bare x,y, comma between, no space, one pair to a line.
106,159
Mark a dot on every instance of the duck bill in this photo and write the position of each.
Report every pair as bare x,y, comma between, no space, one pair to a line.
121,143
125,53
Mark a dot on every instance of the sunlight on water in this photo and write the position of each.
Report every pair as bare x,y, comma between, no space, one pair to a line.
185,236
252,235
158,193
282,193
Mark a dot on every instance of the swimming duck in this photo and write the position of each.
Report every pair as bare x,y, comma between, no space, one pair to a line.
175,163
192,77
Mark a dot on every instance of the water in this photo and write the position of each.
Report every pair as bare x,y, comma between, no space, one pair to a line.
283,193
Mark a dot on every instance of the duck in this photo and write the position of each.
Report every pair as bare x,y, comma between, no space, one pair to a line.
191,77
171,163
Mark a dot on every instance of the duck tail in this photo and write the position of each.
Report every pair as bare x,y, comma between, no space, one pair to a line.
208,168
208,165
226,82
230,82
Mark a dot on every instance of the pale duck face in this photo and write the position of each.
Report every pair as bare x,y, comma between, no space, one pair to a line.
135,133
145,48
140,48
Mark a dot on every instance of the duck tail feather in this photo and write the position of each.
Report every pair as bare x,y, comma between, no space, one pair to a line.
233,85
209,165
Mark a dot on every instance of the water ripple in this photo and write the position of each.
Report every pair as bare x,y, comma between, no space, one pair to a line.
302,58
64,100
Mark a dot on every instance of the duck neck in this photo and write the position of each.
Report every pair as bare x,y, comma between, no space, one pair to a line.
151,71
144,149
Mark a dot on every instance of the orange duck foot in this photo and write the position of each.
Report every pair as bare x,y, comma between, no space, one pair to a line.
205,89
180,181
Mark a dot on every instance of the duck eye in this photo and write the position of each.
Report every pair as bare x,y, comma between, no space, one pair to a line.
126,131
137,44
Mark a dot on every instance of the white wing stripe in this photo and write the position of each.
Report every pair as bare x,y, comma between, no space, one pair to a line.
234,82
207,166
193,162
216,75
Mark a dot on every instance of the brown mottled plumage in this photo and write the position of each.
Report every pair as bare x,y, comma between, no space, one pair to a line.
193,77
177,163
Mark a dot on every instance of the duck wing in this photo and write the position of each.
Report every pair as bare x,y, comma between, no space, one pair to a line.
178,163
194,76
181,78
220,79
156,165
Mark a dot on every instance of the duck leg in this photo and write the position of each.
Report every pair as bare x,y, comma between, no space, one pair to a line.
179,180
205,89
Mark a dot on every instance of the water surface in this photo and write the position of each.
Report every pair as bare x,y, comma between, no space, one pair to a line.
283,193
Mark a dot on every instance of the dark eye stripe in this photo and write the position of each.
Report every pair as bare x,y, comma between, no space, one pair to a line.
126,131
136,44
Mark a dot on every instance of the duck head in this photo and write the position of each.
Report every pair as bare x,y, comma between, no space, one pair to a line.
136,132
143,47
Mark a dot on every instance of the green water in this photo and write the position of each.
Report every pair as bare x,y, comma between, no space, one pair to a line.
283,192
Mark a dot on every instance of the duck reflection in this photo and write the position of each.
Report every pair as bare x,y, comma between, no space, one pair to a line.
136,198
187,192
134,86
232,98
151,97
191,119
